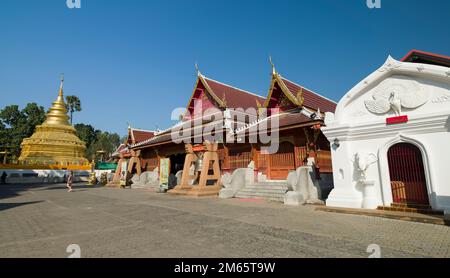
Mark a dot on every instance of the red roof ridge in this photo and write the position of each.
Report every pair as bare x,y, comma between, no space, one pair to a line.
424,53
236,88
319,95
143,130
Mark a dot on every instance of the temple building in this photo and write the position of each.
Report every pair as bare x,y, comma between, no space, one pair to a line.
390,137
55,141
233,118
129,160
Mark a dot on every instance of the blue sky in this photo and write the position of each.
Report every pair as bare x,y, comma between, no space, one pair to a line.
134,60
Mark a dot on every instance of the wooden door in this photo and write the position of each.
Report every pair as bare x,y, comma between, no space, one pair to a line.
407,175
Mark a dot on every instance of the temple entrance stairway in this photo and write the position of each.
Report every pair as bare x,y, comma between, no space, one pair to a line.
269,190
153,187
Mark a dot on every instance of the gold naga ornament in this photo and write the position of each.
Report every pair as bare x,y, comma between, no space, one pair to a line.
55,141
299,97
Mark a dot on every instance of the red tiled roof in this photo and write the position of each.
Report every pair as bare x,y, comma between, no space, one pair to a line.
235,98
121,148
292,119
312,100
141,135
285,120
418,56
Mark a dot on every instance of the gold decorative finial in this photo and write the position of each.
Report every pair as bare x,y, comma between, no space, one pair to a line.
61,85
196,68
273,66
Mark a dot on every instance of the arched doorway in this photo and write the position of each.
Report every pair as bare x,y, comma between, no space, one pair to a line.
282,162
407,174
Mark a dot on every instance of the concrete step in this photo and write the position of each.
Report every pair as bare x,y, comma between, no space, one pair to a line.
265,197
264,190
273,191
260,185
275,184
151,187
416,206
412,210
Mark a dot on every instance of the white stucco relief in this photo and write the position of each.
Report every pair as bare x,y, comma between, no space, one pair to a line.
396,94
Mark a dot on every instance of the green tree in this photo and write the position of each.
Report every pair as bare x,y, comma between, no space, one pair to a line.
97,140
107,142
3,136
34,115
11,116
73,104
19,124
86,133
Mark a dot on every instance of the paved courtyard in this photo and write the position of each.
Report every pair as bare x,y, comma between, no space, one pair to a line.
41,221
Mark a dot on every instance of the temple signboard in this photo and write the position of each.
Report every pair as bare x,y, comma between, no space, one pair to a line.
164,172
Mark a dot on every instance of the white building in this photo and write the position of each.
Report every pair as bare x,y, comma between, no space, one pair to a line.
390,137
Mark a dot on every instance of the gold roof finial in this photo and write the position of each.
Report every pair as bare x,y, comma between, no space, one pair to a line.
197,69
273,66
61,85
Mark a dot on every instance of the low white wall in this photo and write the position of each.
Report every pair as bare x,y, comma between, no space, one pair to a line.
42,176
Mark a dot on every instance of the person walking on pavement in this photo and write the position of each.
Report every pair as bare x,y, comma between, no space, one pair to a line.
69,181
3,177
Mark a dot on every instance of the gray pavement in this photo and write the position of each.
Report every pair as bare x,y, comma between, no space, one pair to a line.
41,221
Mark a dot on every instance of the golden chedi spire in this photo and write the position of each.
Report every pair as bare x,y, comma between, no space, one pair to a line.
58,112
55,141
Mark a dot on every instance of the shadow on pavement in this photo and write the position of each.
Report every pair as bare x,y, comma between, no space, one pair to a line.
14,190
5,206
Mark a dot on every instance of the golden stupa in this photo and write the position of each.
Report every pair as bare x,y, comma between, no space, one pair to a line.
55,141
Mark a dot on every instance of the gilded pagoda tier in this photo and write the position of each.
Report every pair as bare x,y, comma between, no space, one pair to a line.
55,141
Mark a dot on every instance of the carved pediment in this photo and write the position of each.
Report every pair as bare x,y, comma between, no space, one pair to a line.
395,94
395,88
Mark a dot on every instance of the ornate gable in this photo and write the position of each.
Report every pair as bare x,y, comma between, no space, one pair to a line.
202,98
397,89
279,99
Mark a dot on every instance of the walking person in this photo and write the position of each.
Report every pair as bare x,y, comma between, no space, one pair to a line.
69,181
3,177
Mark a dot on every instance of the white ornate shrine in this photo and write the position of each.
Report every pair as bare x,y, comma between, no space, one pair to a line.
390,139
